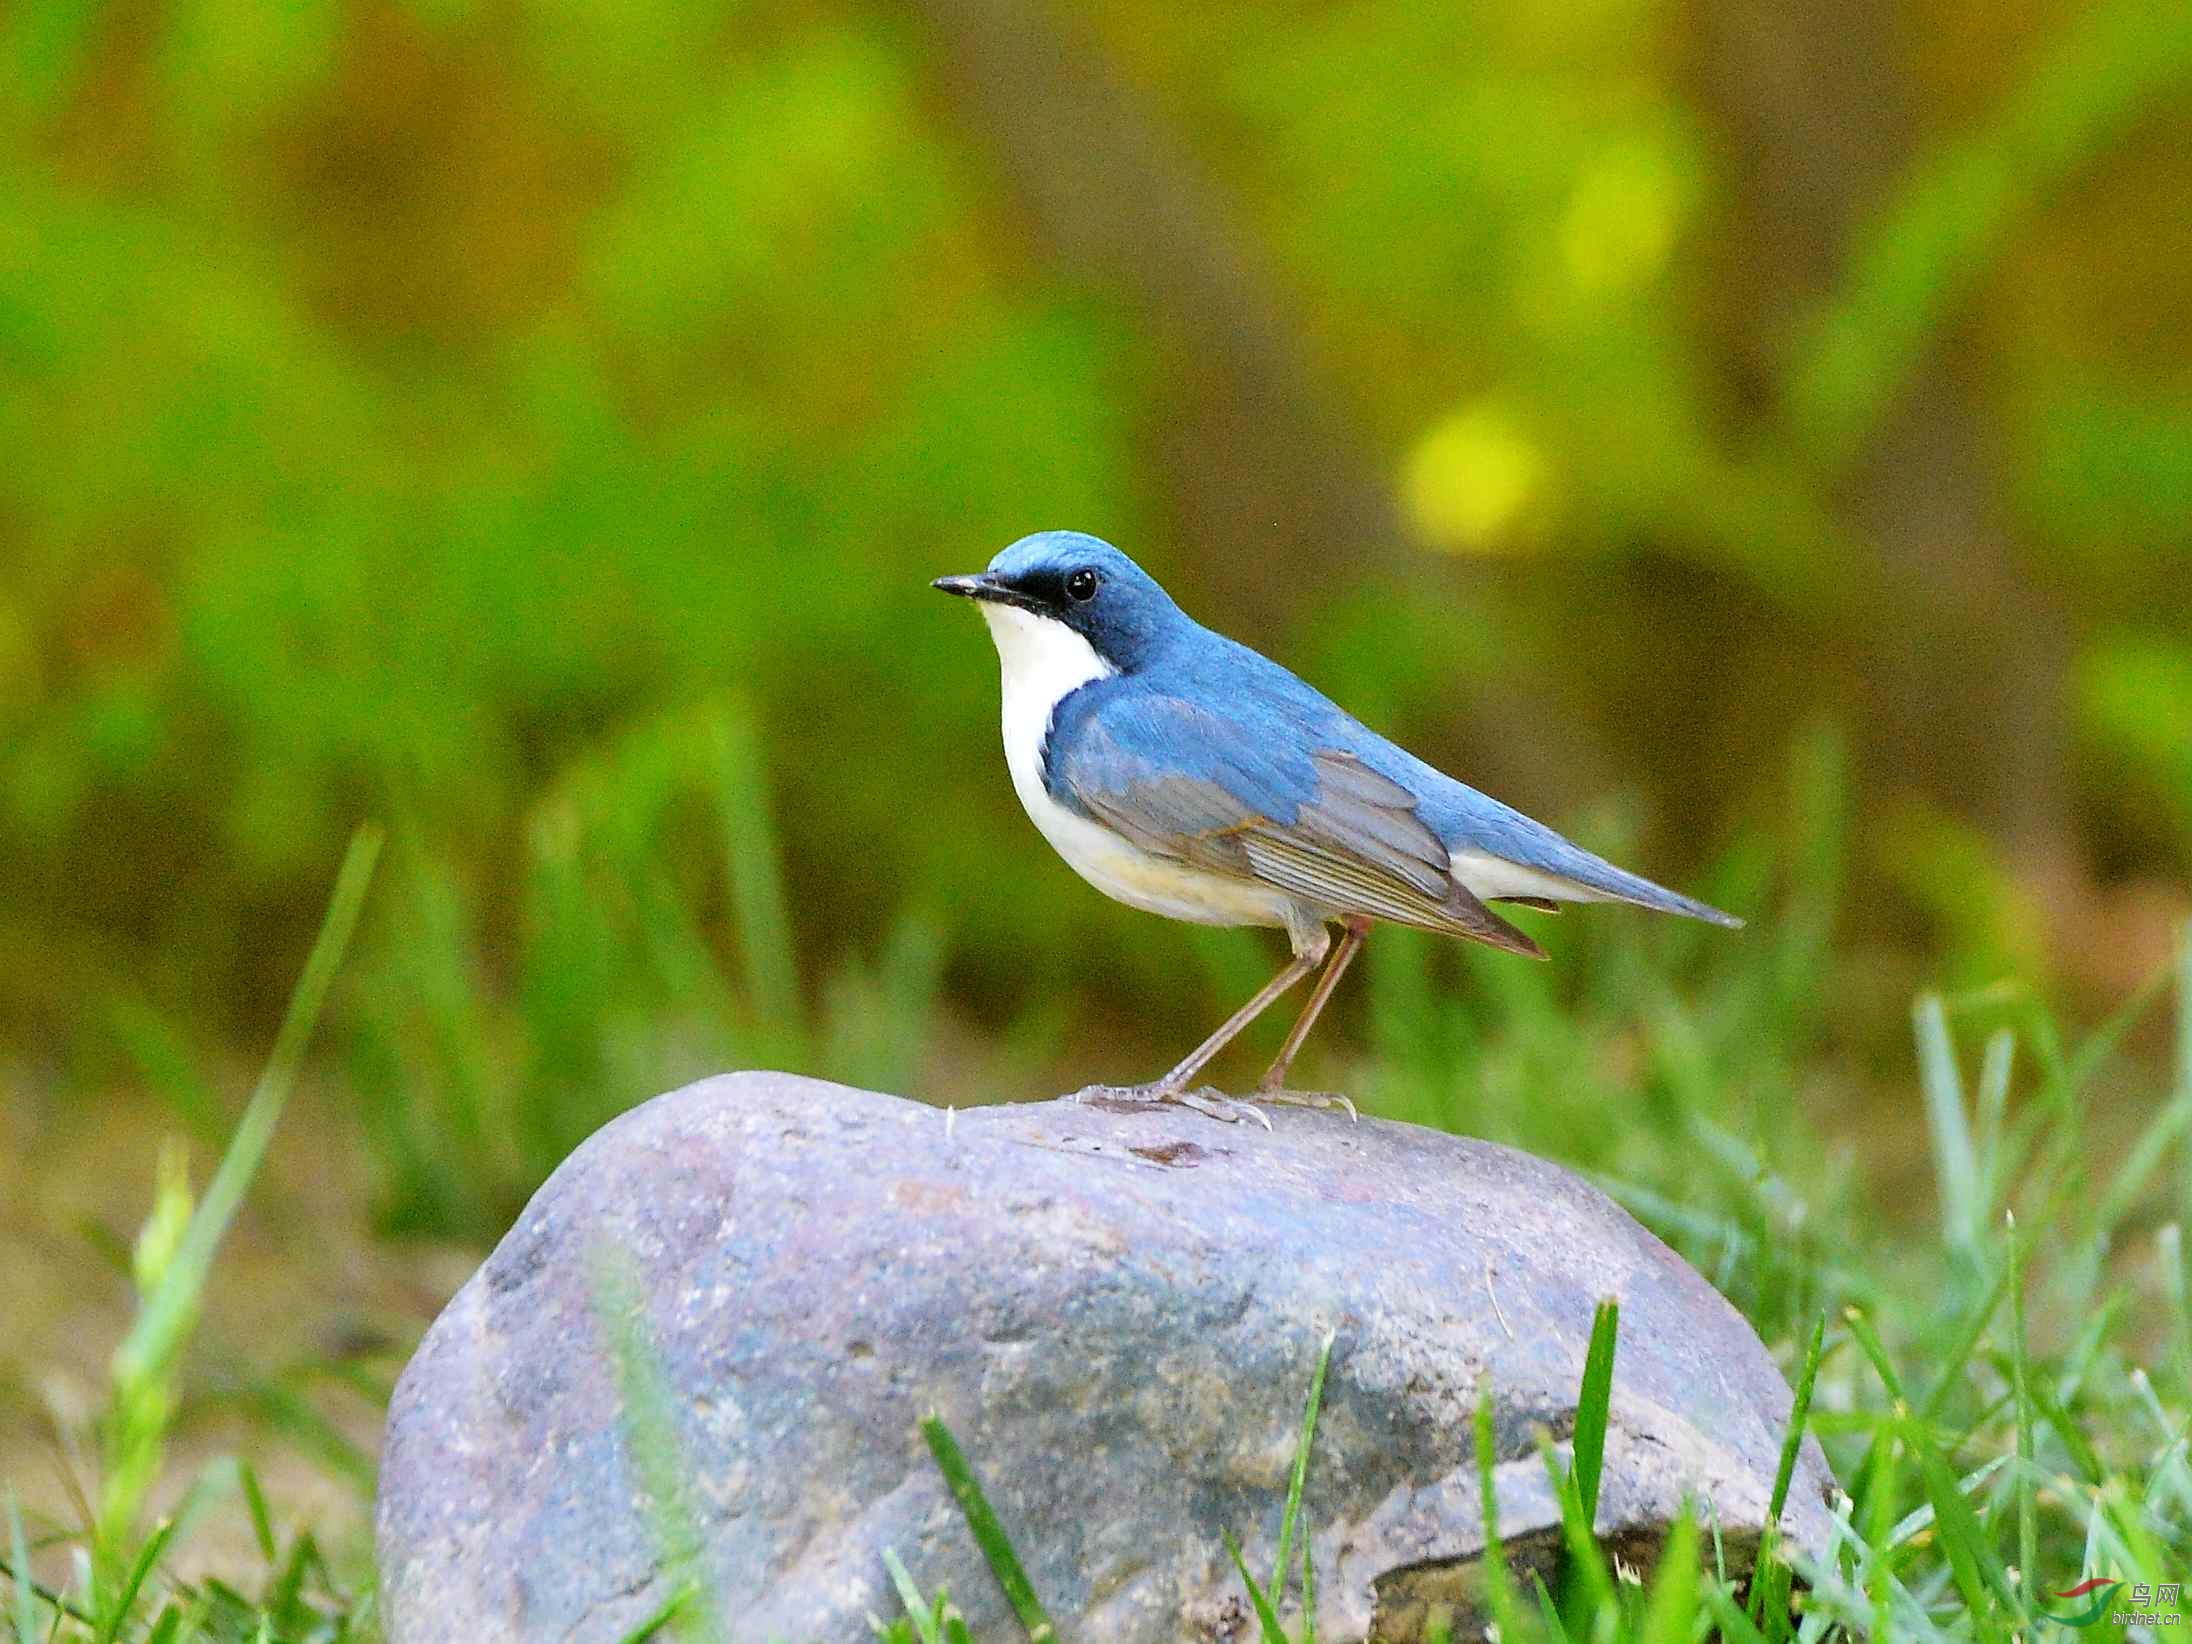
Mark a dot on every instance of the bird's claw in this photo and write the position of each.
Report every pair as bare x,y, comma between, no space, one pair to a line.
1215,1104
1210,1103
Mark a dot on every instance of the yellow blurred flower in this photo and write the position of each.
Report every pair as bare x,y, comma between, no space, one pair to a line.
1470,480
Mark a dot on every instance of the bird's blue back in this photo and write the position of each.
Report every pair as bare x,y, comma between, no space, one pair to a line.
1263,723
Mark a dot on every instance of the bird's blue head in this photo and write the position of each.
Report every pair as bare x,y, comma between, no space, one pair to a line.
1085,584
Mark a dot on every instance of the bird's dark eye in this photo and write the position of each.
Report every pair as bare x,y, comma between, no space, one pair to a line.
1081,585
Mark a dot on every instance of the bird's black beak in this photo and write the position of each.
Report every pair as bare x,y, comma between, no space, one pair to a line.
984,586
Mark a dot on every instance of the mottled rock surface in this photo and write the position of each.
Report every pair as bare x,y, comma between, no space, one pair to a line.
1117,1310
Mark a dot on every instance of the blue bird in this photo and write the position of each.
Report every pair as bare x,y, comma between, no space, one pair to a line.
1183,773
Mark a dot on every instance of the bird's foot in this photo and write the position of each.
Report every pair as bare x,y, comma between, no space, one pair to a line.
1329,1101
1210,1103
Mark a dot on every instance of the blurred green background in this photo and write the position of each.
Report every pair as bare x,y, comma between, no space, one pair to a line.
1755,434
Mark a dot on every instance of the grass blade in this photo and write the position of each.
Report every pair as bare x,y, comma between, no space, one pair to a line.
757,881
1586,1558
1548,1613
1882,1498
1499,1586
1309,1588
262,1524
1592,1406
1973,1563
125,1598
988,1534
1875,1351
1735,1626
1799,1412
1301,1470
1267,1618
1770,1578
1672,1607
2020,1369
665,1613
154,1335
26,1610
647,1421
175,1252
925,1625
1955,1161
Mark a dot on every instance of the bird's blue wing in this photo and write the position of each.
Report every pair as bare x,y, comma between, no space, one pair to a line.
1259,798
1240,682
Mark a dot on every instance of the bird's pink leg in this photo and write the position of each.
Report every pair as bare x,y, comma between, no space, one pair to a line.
1273,1084
1229,1029
1173,1087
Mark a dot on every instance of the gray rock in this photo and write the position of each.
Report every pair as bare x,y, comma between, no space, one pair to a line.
1116,1310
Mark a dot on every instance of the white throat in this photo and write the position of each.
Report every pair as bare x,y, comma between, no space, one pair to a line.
1042,662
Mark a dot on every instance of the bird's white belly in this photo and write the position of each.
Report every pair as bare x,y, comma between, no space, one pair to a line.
1125,872
1041,663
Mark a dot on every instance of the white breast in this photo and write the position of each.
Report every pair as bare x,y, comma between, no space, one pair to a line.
1043,662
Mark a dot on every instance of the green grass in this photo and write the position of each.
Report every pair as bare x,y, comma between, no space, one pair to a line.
630,976
121,1589
1992,1341
1935,1573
